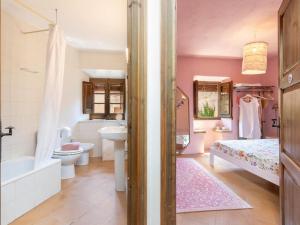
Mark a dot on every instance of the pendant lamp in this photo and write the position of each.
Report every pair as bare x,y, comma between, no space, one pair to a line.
255,58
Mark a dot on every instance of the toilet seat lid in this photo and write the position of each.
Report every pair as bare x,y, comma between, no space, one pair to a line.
58,151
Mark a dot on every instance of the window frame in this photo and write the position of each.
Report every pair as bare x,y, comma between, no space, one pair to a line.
218,85
107,83
230,95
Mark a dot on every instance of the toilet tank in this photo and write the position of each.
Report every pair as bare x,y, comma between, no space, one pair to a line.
65,135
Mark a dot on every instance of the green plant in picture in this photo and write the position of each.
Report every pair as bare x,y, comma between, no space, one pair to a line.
207,110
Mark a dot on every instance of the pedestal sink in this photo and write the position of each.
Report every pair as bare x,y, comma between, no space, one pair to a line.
118,135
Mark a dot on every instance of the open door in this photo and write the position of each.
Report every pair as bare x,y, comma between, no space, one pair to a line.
289,47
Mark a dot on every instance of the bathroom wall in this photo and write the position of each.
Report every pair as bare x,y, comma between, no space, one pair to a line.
104,60
189,66
71,109
86,131
21,91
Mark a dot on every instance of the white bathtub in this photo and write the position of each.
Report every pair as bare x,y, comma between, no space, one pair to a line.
23,187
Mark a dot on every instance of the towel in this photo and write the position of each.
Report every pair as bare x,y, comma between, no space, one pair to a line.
70,146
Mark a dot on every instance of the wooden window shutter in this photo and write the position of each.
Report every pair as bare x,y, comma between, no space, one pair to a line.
87,97
226,99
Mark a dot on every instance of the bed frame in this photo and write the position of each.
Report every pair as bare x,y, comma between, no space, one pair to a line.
252,169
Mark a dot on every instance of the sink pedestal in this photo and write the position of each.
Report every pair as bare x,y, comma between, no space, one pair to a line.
118,135
120,165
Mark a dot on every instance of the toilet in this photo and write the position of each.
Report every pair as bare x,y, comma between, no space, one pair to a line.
68,159
66,137
84,157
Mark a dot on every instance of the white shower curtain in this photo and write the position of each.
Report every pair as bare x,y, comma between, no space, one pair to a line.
49,117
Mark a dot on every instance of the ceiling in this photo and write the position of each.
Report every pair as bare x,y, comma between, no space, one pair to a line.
221,27
87,24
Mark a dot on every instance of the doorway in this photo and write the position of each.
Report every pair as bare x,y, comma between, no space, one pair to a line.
93,187
170,159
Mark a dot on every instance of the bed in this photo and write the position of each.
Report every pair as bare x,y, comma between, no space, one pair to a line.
260,157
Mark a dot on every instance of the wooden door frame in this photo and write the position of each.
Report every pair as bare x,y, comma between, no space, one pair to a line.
168,112
286,162
137,113
281,190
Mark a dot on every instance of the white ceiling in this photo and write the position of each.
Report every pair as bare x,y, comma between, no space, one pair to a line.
205,27
221,27
88,24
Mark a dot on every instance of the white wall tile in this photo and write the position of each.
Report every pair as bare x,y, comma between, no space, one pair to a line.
87,131
20,91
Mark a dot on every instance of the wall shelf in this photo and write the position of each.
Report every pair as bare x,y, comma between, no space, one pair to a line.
222,131
254,88
197,131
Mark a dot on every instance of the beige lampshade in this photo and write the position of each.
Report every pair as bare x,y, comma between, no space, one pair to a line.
255,58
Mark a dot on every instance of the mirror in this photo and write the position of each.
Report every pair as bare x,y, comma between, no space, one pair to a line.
182,120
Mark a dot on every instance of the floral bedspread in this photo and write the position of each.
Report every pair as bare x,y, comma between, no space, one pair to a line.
262,153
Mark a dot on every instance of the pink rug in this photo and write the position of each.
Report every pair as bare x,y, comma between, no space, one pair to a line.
198,190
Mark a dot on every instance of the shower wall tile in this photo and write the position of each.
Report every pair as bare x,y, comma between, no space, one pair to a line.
87,131
20,91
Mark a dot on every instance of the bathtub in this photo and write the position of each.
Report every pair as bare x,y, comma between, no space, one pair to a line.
23,187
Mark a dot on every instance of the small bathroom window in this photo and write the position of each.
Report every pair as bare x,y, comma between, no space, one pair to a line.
104,98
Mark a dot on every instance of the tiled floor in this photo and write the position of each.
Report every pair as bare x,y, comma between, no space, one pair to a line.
88,199
261,195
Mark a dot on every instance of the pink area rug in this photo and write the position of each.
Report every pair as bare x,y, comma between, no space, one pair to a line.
198,190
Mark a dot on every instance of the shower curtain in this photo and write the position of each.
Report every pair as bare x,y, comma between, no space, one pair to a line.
49,117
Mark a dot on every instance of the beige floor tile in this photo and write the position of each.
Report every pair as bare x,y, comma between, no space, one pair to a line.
88,199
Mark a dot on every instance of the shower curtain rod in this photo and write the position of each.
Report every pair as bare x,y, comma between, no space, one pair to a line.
33,11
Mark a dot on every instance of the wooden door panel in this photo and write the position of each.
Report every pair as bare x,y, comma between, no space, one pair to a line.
291,201
289,55
294,73
291,33
291,122
289,165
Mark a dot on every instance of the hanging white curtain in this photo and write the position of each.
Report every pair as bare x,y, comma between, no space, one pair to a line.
49,117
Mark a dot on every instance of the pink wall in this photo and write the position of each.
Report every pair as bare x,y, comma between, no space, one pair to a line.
189,66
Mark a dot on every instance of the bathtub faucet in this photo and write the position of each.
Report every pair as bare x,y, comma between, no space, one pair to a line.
10,128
